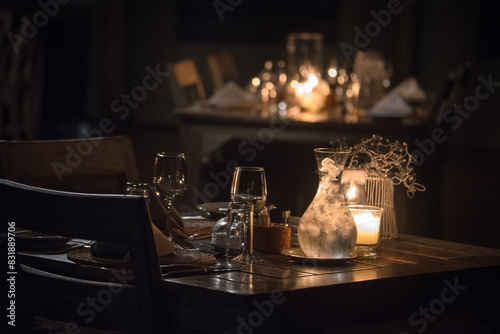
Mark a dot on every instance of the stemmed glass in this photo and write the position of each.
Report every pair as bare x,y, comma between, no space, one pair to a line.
249,186
169,181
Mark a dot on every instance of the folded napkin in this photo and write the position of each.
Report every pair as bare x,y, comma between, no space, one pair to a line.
410,90
231,95
163,245
395,104
159,213
392,105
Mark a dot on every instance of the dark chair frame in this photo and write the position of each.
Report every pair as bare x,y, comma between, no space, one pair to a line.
89,165
114,218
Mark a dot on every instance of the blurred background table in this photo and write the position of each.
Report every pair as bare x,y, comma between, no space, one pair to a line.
214,138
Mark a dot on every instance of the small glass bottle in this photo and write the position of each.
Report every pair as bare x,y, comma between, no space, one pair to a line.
279,217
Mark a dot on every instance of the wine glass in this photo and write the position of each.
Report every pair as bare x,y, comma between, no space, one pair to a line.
169,181
249,186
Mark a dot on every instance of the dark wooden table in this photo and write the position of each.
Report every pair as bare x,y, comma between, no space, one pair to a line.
412,283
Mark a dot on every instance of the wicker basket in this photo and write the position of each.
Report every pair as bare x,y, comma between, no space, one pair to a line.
271,239
380,192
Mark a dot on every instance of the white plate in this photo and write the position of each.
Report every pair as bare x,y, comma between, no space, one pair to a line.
297,254
32,240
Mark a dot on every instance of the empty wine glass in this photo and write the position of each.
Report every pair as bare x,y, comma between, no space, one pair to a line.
169,181
249,186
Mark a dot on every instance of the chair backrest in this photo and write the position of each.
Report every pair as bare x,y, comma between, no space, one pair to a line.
115,218
185,83
20,84
222,69
94,165
449,93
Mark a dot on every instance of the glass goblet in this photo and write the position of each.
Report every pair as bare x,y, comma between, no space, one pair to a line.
169,182
249,186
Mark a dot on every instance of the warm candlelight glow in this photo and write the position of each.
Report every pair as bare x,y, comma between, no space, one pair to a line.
264,92
342,76
282,79
332,72
351,192
367,219
353,185
368,227
312,92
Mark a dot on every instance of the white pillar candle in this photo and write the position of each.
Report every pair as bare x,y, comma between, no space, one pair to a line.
367,219
368,227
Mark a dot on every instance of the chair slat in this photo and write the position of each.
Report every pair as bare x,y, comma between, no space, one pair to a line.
119,218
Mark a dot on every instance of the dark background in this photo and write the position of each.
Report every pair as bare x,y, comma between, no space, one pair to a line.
91,52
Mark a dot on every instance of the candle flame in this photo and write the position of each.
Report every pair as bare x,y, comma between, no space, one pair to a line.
306,87
351,193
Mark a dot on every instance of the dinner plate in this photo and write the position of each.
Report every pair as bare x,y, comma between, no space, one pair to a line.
214,210
33,240
297,254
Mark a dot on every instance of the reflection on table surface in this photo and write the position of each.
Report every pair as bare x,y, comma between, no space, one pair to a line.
259,113
407,273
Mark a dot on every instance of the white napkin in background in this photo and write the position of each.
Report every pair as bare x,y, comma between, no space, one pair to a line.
231,95
410,90
392,105
395,103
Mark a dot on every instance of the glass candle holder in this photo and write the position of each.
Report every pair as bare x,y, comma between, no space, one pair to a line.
353,186
304,48
306,87
367,219
373,72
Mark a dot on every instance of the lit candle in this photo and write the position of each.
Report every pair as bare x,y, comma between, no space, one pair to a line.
353,185
367,226
309,90
351,192
367,219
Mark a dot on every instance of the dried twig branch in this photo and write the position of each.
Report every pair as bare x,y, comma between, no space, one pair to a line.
385,158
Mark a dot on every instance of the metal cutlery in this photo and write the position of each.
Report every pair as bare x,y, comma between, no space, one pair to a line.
180,240
178,270
70,246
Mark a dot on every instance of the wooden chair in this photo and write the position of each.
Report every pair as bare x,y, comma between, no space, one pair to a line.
222,69
94,165
21,67
185,83
138,306
449,93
